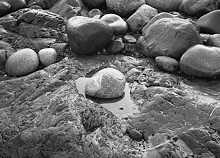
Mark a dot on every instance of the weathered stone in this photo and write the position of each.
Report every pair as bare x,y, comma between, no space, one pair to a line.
44,4
134,134
166,63
94,3
198,7
129,39
4,8
124,7
165,5
201,61
169,37
95,13
209,22
106,83
116,46
41,43
141,17
214,40
118,25
22,62
88,35
47,56
16,4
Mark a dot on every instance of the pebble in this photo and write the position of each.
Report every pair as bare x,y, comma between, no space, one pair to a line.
47,56
141,17
116,46
106,83
84,39
129,39
118,25
167,64
22,62
168,37
124,7
4,8
209,23
95,13
201,61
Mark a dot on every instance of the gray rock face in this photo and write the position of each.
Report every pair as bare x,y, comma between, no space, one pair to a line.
106,83
198,7
168,37
16,4
201,61
88,35
4,8
166,63
141,17
22,62
124,7
165,5
214,40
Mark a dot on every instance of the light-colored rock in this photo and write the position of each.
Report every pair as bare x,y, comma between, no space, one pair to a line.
198,7
164,5
169,37
201,61
106,83
47,56
88,35
214,40
95,13
124,7
118,25
167,63
130,39
209,23
22,62
141,17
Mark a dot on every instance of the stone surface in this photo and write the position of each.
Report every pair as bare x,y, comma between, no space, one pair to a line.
129,39
124,7
198,7
201,61
106,83
209,22
168,37
118,25
141,17
16,4
166,63
214,40
116,46
94,3
47,56
22,62
88,35
164,5
95,13
4,8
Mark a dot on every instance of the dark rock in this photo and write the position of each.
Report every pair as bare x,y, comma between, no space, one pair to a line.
164,5
201,61
41,43
214,123
209,22
83,31
214,148
22,62
4,8
166,63
124,7
44,4
214,40
134,134
94,3
16,4
198,7
116,46
141,17
168,37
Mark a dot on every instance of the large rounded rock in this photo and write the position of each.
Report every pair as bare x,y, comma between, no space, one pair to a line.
165,5
118,25
168,37
167,64
141,17
16,4
88,35
198,7
4,8
94,3
209,23
47,56
107,83
22,62
201,61
124,7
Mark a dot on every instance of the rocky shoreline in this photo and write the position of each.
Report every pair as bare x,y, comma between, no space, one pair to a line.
165,53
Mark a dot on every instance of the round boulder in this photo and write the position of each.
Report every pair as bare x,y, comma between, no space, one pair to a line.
124,7
22,62
4,8
106,83
167,64
118,25
88,35
201,61
209,23
168,37
47,56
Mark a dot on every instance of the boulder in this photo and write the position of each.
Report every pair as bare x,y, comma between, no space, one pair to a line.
197,7
168,37
165,5
4,8
167,64
47,56
22,62
124,7
118,25
106,83
201,61
141,17
209,23
94,3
